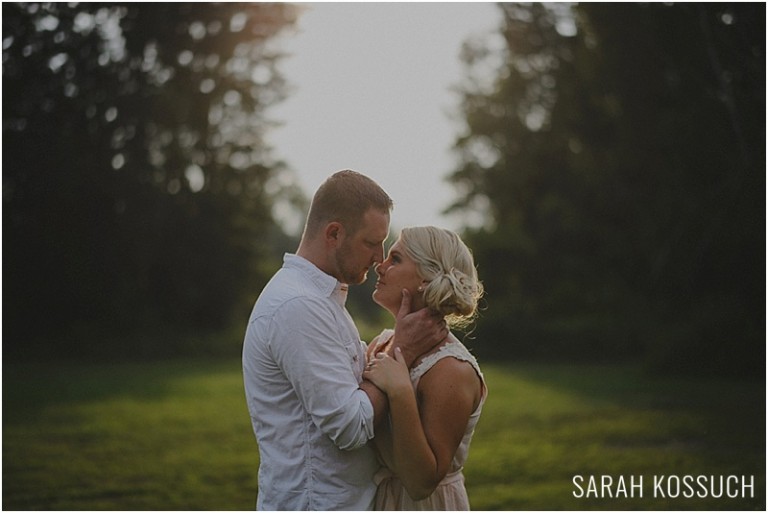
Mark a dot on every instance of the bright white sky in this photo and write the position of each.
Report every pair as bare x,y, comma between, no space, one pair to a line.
371,92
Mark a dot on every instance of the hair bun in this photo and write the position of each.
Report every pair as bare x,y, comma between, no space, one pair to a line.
446,263
457,292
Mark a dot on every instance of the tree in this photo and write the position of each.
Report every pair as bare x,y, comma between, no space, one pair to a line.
137,184
618,154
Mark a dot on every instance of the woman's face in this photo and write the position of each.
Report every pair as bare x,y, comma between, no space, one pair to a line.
396,273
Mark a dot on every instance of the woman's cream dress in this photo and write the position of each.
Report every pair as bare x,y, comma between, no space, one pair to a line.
450,493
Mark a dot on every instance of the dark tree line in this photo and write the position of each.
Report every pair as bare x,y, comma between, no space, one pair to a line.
618,154
137,185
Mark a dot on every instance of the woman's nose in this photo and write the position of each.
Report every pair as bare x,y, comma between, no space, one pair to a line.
379,268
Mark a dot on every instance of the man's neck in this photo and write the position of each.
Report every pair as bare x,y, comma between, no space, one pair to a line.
310,252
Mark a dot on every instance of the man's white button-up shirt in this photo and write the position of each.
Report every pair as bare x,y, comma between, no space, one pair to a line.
303,361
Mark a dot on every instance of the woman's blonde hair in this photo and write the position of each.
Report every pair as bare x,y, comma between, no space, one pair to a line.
446,263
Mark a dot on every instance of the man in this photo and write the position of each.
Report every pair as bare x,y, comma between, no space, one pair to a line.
303,360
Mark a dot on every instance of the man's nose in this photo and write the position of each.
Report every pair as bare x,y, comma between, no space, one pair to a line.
379,256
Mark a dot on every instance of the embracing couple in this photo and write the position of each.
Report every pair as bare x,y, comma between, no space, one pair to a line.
342,425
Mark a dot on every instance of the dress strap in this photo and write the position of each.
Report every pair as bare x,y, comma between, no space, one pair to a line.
383,338
455,349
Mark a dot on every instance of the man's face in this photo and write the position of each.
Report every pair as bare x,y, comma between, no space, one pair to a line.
363,249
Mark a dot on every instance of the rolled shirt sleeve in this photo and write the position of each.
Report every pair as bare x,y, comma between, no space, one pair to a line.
324,362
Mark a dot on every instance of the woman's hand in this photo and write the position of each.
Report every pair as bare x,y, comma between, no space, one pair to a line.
389,374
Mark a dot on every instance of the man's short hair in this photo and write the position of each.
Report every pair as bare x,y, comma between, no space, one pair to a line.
345,197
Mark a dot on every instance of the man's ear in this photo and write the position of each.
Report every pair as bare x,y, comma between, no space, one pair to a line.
334,233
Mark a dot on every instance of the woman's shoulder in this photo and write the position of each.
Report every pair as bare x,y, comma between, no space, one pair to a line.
459,351
381,339
451,348
455,373
451,354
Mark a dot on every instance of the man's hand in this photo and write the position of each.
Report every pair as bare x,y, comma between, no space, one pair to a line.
417,332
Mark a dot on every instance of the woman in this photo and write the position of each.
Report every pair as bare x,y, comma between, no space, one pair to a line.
435,405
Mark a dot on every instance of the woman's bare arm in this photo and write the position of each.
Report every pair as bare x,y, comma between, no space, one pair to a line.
426,430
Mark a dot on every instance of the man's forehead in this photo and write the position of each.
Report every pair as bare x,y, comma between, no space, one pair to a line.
376,224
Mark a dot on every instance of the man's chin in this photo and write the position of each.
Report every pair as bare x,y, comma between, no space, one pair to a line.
357,279
362,278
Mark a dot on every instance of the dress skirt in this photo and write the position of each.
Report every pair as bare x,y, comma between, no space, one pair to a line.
391,495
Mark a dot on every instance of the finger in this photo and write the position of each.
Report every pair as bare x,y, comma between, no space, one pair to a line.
405,304
399,356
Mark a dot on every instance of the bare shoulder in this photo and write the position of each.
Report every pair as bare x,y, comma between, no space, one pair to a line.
451,366
453,378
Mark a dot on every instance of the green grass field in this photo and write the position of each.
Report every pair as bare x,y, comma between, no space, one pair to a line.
176,436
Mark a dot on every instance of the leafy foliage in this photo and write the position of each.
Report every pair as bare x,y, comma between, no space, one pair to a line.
616,153
137,185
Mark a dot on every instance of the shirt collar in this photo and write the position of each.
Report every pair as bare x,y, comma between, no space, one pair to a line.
326,284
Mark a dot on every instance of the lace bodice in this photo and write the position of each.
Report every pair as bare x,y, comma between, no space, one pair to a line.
455,349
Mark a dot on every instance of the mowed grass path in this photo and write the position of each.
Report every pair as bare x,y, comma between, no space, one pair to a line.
176,436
